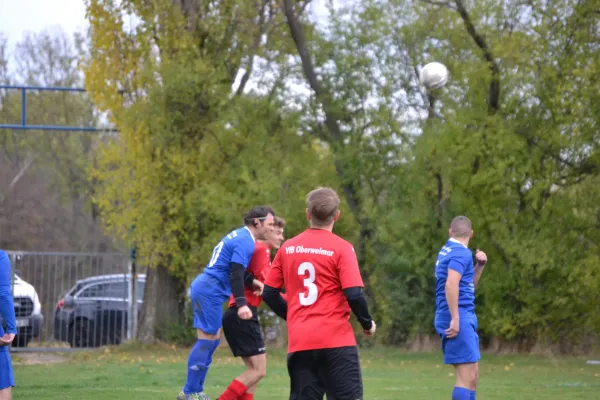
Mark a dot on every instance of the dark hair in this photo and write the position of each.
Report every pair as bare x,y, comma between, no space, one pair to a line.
279,222
322,203
258,212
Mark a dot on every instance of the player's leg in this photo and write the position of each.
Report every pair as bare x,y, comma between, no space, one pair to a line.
6,375
305,383
6,394
341,373
256,369
207,321
467,376
259,365
246,341
463,353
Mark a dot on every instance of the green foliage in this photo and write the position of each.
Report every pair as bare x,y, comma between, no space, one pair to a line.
511,142
512,169
191,157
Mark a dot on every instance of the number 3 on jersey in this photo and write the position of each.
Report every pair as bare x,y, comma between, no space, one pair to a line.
309,283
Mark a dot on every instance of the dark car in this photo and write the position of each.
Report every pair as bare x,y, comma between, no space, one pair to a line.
94,312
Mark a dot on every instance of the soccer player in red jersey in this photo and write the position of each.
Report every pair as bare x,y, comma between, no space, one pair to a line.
244,337
320,273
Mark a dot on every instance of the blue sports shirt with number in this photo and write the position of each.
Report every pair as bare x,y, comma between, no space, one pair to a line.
455,255
236,247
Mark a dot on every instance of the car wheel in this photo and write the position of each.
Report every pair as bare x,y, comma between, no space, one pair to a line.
82,334
21,341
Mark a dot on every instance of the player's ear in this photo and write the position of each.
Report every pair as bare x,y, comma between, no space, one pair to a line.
308,214
337,215
471,235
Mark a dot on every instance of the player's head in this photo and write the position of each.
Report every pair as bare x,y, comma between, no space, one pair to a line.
322,207
260,220
460,228
275,238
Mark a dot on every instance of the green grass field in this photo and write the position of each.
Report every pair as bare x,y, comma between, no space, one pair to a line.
133,372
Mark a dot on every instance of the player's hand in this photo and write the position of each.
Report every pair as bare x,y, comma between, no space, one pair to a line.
481,258
371,331
454,328
258,287
7,339
244,312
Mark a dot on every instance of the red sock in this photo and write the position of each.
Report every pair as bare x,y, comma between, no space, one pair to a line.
233,391
246,396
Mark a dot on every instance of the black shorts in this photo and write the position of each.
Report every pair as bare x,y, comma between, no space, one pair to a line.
244,337
335,372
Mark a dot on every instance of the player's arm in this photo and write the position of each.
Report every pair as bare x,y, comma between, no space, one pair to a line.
272,296
452,283
242,254
7,307
481,258
352,284
236,279
272,292
248,279
358,304
455,270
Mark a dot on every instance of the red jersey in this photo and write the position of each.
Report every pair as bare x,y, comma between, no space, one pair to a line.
315,267
259,266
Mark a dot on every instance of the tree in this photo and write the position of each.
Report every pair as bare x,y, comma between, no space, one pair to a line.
45,187
497,144
195,150
513,135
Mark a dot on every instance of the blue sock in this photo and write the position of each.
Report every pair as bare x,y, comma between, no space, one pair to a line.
460,393
198,362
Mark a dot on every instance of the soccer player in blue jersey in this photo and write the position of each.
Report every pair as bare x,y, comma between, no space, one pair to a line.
224,274
7,310
455,319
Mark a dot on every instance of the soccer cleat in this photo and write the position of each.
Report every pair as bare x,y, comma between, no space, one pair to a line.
193,396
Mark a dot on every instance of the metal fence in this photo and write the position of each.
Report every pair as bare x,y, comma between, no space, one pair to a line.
74,300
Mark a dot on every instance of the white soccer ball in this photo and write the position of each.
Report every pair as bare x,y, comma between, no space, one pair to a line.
434,75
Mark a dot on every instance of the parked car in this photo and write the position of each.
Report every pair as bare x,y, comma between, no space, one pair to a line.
94,312
28,312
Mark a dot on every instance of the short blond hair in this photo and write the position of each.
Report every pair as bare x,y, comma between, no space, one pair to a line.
323,203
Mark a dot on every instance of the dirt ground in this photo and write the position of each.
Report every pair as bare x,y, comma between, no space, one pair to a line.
37,358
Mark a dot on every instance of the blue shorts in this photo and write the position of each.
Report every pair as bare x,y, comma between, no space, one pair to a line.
207,303
6,374
464,348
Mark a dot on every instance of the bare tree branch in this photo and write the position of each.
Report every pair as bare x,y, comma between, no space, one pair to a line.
22,171
494,91
350,185
262,28
331,119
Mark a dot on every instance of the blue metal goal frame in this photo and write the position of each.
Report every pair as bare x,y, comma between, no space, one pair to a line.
24,126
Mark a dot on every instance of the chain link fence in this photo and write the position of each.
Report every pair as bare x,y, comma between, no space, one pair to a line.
74,300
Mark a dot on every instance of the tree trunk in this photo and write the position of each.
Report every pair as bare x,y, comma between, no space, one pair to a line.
162,303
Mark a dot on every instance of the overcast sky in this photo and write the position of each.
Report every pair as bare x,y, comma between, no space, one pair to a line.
20,16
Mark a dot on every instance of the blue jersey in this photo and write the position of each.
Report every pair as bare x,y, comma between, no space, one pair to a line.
7,306
236,247
456,256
